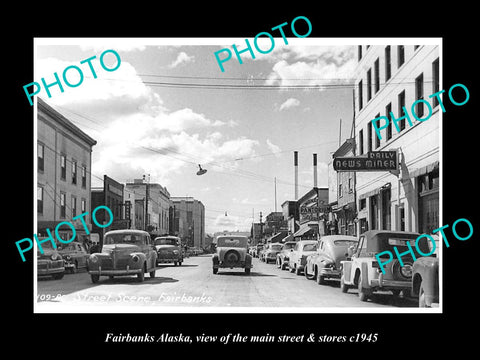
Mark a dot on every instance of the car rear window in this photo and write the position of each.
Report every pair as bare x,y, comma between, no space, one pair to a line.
165,241
276,247
309,247
232,242
344,243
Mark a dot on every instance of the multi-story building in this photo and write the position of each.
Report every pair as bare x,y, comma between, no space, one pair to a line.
342,220
189,221
64,163
158,202
110,195
388,80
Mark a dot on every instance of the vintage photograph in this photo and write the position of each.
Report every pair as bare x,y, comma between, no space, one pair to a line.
200,175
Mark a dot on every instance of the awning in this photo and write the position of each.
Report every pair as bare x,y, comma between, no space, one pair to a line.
424,169
374,191
304,229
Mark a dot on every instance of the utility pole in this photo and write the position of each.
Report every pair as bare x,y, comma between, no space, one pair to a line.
275,180
146,200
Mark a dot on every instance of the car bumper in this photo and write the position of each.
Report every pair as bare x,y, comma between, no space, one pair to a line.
330,273
116,272
231,266
168,260
391,284
46,272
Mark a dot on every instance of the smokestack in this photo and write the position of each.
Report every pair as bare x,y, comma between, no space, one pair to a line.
314,170
295,164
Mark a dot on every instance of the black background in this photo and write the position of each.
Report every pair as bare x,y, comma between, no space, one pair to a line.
408,334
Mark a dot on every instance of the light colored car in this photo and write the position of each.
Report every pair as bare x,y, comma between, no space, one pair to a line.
232,253
283,255
124,252
298,255
363,271
169,250
425,282
325,263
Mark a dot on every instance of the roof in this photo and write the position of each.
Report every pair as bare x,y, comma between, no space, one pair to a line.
131,231
54,115
339,237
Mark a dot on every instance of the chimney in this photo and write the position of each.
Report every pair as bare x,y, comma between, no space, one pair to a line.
314,170
295,164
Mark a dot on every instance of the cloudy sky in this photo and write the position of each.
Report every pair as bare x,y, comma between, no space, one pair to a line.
168,107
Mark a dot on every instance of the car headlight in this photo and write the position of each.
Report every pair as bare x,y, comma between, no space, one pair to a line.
67,257
175,252
93,258
406,270
135,258
55,257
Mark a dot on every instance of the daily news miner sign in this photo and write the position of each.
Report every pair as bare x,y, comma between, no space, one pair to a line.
374,161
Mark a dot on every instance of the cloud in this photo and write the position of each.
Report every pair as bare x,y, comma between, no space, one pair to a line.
312,65
289,103
182,58
273,148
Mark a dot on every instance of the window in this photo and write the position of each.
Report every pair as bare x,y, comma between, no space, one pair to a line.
74,206
401,105
350,187
369,136
419,95
377,139
388,63
40,199
360,142
40,157
369,84
63,167
340,193
74,172
359,52
400,55
376,69
83,206
436,81
388,109
62,205
84,176
360,95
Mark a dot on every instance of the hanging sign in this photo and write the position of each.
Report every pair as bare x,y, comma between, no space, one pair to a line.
374,161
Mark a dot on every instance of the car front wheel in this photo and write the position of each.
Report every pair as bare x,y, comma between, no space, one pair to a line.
152,273
363,293
215,270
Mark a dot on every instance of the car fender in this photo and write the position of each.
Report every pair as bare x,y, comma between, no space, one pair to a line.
142,257
365,275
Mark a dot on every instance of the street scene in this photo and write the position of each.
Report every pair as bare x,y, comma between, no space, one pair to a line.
280,183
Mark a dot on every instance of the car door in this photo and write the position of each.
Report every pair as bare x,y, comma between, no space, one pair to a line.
80,253
349,266
148,251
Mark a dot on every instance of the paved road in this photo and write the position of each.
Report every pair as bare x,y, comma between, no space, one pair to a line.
195,288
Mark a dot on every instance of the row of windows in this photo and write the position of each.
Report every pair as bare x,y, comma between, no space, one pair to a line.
373,82
63,167
73,208
373,141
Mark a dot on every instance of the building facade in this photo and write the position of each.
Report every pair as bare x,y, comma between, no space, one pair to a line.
388,80
152,206
64,163
110,195
189,221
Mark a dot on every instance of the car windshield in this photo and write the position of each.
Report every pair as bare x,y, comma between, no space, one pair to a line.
289,246
309,247
345,243
232,242
123,238
166,241
276,247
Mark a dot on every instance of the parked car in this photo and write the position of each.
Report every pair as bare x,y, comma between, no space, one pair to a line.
124,252
325,263
362,270
298,255
169,250
283,255
232,253
270,254
259,250
425,281
75,255
50,263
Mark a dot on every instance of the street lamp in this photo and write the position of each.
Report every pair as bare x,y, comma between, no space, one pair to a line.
201,171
